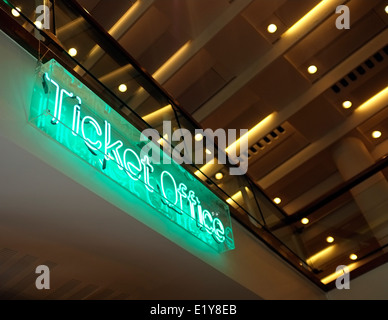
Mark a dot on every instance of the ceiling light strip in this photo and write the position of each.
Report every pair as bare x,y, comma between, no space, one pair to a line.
335,275
251,135
158,114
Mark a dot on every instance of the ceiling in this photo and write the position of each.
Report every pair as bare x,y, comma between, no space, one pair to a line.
229,72
217,59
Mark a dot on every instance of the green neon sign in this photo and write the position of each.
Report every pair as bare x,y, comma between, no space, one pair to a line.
70,113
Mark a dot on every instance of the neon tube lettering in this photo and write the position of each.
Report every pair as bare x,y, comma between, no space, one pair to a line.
208,221
92,145
76,119
219,231
147,168
54,120
114,146
169,202
132,170
182,195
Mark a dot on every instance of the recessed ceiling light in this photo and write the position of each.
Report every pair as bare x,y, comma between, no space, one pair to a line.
38,24
376,134
386,9
353,256
346,104
198,137
123,87
219,175
330,239
277,200
312,69
16,12
73,52
272,28
305,221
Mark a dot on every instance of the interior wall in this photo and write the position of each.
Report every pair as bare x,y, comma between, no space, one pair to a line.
93,249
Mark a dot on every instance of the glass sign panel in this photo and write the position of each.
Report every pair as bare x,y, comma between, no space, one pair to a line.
71,114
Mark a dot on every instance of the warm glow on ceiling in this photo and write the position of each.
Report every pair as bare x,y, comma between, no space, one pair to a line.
237,197
158,74
335,275
250,135
116,30
323,254
380,97
161,140
157,115
312,15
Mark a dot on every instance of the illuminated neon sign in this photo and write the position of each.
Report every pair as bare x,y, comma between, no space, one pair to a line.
70,113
